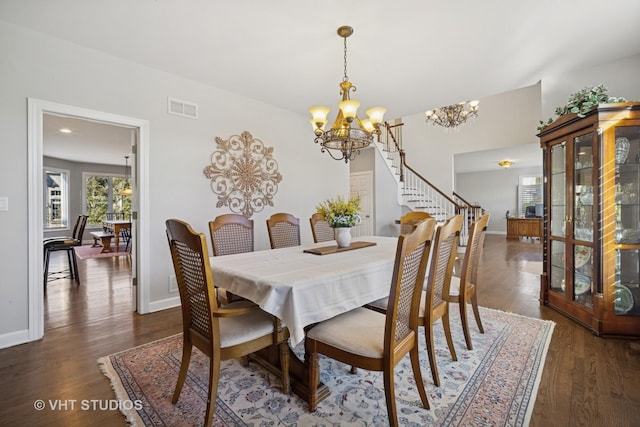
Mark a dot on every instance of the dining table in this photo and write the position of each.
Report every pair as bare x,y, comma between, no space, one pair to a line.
115,226
304,285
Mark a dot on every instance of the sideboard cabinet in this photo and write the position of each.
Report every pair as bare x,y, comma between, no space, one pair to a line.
524,227
591,226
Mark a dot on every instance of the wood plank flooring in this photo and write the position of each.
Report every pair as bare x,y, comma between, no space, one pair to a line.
587,381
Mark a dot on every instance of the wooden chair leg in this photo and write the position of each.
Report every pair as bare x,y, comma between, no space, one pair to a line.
428,333
464,319
184,367
214,377
390,396
75,274
72,271
447,333
417,375
47,256
476,312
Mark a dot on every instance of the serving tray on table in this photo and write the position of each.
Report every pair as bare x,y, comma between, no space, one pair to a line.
325,250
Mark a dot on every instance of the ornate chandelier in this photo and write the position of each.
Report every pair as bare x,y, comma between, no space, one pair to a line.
452,116
348,134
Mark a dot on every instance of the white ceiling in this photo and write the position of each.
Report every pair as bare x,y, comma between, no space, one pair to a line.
88,141
522,156
408,56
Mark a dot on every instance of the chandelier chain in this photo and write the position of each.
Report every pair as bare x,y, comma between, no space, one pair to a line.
345,78
348,134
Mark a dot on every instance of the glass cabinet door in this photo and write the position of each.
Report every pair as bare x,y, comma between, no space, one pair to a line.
557,217
557,272
583,218
627,217
583,202
558,176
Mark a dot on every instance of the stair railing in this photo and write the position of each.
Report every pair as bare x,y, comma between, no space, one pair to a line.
473,211
417,189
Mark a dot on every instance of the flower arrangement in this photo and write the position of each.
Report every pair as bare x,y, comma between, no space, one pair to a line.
340,212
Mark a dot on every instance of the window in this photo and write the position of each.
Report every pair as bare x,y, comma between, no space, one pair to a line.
529,195
102,195
56,198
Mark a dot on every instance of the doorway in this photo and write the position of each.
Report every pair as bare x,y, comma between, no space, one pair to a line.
37,109
361,184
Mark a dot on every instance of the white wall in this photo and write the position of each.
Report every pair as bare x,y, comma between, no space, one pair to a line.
504,120
496,191
34,65
620,77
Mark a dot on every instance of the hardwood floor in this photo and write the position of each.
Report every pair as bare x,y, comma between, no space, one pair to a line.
586,381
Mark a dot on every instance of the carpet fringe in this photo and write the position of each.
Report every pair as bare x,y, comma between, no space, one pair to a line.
131,415
511,313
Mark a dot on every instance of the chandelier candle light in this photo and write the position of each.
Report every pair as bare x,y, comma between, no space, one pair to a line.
452,116
348,134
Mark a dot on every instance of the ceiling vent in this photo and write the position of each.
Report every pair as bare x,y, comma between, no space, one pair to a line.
182,108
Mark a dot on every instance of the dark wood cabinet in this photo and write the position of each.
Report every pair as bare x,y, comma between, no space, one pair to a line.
524,227
591,269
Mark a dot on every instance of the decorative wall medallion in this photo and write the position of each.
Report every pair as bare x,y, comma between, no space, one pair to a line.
243,174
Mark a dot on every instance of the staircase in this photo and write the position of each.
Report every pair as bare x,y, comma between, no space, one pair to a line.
415,191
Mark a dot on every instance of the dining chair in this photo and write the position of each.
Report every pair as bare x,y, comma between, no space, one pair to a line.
230,234
221,333
433,304
320,229
410,219
67,244
374,341
125,234
284,230
463,288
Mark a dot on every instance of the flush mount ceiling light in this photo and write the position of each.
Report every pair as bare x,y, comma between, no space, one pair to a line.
506,164
452,116
65,130
348,134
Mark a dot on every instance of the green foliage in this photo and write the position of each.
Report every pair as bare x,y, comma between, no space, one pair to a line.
98,189
582,102
340,212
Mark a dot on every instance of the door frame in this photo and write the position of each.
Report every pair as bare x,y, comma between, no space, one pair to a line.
368,175
36,109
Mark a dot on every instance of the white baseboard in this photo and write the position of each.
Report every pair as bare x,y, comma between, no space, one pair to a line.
14,338
164,304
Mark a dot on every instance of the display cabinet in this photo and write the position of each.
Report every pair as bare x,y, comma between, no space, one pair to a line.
591,227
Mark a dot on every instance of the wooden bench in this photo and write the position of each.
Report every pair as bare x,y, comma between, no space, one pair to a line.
104,237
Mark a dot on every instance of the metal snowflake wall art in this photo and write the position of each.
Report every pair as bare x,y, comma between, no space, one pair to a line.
243,174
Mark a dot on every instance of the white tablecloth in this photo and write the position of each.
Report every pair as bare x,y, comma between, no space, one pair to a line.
302,288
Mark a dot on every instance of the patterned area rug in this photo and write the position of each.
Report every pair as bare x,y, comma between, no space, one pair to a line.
494,384
89,252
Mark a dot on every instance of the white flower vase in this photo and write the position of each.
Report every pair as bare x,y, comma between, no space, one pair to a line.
343,236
